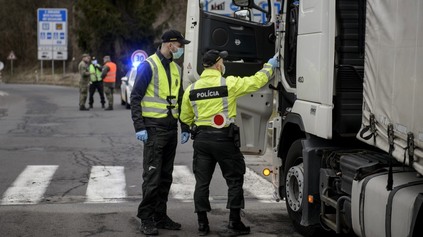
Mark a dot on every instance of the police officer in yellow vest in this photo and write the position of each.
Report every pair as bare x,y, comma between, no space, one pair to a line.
209,107
96,83
155,101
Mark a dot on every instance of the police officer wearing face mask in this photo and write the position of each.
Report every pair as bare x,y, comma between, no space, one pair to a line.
209,107
155,101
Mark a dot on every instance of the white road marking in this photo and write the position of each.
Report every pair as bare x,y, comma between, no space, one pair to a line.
183,183
258,186
30,185
3,93
107,184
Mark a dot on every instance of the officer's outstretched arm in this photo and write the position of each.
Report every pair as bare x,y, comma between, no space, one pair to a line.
187,113
245,85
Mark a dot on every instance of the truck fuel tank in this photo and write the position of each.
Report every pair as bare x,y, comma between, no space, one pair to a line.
378,212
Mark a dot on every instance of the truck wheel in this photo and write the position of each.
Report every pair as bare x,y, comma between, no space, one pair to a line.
294,188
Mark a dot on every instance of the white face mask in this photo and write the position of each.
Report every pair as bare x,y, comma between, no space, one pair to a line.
178,53
223,69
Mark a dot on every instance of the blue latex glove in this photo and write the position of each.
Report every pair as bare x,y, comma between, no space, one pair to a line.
184,137
274,61
142,135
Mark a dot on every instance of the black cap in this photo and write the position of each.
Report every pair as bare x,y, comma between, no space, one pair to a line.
174,36
212,56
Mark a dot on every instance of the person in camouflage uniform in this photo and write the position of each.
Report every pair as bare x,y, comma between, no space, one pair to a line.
84,71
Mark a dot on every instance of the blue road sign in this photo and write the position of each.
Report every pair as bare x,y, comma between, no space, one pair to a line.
52,33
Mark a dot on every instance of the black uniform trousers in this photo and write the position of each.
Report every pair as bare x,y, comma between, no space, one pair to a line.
209,150
97,85
159,156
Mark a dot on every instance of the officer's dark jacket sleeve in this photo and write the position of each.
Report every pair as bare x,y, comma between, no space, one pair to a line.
106,69
184,127
142,80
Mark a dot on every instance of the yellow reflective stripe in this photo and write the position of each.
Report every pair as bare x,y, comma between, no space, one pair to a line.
154,110
154,100
225,99
159,110
155,76
175,112
194,105
266,70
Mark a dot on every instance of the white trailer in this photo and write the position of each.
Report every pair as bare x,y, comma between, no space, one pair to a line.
347,128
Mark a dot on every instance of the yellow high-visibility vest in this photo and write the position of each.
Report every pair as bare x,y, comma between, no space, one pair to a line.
95,73
161,97
213,94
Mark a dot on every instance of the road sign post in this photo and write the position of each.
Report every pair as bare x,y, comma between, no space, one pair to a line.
52,34
1,68
11,57
138,56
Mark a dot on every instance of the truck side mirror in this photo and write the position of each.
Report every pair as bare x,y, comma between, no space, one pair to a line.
243,15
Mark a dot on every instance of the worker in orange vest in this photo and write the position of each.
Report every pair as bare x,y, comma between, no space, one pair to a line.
109,79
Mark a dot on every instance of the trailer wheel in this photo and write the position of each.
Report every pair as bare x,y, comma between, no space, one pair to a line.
294,188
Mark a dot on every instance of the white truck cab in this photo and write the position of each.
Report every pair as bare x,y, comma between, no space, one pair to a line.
250,44
344,106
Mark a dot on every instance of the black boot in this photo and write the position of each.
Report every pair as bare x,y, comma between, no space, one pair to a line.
203,229
83,108
148,227
203,223
165,222
91,106
102,105
237,228
109,108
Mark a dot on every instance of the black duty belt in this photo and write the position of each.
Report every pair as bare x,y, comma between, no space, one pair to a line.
212,134
212,129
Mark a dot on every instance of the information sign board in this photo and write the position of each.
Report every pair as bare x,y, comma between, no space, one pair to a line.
52,33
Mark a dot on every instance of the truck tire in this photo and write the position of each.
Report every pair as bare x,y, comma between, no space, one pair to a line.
294,185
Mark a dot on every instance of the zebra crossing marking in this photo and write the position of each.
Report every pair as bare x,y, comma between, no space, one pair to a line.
258,186
107,184
30,185
183,184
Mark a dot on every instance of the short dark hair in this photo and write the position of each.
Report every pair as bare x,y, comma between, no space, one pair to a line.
212,56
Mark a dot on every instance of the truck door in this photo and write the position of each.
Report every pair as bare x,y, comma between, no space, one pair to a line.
249,44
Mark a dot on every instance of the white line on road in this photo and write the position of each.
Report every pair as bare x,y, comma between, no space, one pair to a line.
183,183
30,185
3,93
107,184
258,186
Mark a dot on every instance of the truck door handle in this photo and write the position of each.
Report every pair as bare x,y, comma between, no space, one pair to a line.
236,27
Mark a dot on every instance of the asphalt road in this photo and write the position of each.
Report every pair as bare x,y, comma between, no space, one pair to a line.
65,172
